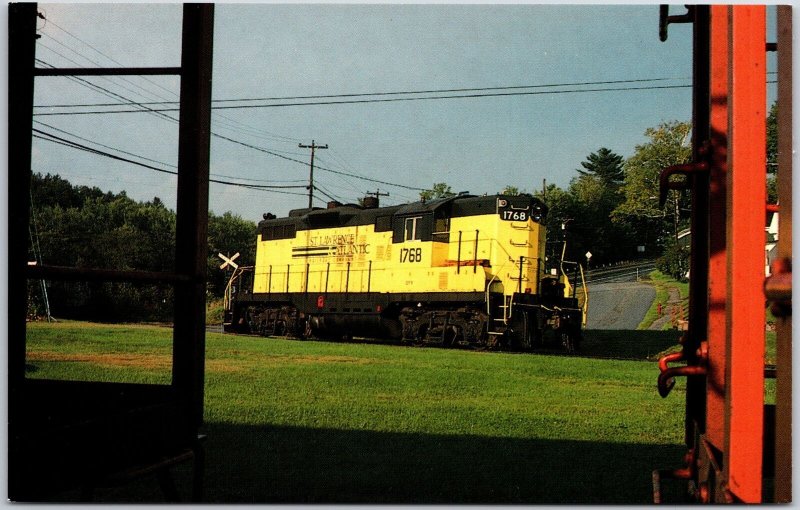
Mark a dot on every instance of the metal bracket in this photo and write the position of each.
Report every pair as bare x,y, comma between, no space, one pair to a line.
684,473
778,288
664,184
666,379
664,19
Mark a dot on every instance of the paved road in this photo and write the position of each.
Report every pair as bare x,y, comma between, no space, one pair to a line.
619,305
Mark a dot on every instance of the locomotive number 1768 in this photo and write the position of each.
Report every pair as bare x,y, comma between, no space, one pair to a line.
514,215
411,255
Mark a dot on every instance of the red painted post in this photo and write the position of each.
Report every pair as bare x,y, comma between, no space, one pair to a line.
746,197
717,268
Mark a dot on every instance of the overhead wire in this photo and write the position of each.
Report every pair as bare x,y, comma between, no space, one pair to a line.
389,100
232,123
43,135
374,97
143,107
172,119
393,93
115,80
214,134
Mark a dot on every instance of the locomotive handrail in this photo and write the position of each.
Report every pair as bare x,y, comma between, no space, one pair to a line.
237,273
585,307
489,286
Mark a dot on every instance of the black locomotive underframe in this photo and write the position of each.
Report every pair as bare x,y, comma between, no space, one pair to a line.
456,318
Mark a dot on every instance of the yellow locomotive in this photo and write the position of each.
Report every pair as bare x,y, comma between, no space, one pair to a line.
463,270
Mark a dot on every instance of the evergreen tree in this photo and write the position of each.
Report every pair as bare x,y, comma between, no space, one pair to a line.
605,165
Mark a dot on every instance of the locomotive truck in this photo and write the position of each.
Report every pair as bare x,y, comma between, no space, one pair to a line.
464,270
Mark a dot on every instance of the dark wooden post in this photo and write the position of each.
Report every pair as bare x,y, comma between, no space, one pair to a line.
192,204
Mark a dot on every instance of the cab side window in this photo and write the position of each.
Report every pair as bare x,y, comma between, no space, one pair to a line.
411,233
412,228
441,228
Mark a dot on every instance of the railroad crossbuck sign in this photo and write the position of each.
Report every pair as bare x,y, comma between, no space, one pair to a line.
228,261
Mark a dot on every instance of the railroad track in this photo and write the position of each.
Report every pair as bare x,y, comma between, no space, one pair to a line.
622,273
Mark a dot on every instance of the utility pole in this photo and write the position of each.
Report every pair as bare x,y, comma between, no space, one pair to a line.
372,198
377,194
313,146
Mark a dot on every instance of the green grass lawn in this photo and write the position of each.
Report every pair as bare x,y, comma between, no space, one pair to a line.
311,422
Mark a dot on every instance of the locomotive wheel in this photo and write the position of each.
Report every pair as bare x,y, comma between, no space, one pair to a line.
520,332
422,333
449,336
306,331
526,332
569,341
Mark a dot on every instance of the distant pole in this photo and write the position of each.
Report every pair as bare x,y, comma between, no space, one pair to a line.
378,193
544,190
313,146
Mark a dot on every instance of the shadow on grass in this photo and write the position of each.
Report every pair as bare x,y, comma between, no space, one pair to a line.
627,344
265,464
284,465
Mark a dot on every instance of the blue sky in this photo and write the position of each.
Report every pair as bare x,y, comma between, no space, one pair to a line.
478,145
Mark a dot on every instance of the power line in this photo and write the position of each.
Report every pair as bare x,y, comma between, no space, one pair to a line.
324,169
217,135
364,101
154,160
389,100
393,93
109,93
104,146
43,135
313,148
329,195
231,123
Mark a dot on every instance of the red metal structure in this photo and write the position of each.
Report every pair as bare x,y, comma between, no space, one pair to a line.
739,448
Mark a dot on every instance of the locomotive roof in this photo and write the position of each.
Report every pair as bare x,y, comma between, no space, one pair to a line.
353,214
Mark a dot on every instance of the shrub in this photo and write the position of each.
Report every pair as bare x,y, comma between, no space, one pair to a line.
675,261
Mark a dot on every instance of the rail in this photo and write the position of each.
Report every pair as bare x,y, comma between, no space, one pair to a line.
622,271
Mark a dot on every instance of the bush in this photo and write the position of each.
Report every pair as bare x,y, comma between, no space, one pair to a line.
214,311
675,261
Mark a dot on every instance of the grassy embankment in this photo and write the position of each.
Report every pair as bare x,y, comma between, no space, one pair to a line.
306,421
664,286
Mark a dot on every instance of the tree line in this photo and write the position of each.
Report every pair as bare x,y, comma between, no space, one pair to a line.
81,226
611,206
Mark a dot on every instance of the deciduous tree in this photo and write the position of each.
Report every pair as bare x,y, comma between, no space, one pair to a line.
438,190
669,144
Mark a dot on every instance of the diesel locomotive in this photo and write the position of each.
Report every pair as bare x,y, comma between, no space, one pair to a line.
464,270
